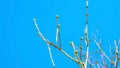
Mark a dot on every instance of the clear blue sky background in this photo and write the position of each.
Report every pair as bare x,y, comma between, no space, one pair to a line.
20,47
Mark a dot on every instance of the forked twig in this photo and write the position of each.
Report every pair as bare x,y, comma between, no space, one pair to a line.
50,43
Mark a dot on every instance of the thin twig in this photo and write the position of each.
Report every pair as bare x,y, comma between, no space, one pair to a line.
39,33
75,51
116,52
58,40
102,51
50,53
98,65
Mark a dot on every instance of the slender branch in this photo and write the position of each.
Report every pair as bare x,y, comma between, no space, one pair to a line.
116,52
73,46
86,57
75,51
81,48
98,66
50,53
103,61
102,51
112,55
86,35
58,40
39,33
90,64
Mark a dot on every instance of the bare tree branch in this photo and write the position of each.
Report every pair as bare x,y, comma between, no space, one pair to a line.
50,43
82,57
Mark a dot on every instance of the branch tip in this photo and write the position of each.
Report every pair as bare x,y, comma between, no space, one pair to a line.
34,20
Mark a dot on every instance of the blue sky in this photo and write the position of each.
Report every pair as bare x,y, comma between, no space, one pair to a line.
20,47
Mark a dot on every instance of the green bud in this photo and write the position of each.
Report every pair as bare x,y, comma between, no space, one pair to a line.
96,62
57,16
81,47
116,52
58,25
38,34
71,43
96,51
75,52
81,38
